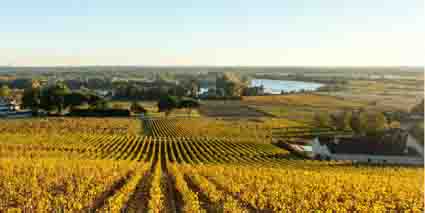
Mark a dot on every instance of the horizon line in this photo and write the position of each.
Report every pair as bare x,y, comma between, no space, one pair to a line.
218,66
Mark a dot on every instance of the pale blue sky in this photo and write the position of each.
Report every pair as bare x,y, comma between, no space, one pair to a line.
219,32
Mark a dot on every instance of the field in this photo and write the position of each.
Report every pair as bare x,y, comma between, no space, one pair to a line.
152,110
254,129
376,95
229,108
175,170
121,126
395,94
299,107
310,100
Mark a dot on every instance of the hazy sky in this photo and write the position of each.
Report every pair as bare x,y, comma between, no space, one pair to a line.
216,32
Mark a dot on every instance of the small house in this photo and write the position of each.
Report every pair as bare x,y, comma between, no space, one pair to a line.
392,147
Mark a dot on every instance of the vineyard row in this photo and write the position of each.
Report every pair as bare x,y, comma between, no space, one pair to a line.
156,187
147,149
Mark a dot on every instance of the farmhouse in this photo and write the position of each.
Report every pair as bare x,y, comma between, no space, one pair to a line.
11,109
392,147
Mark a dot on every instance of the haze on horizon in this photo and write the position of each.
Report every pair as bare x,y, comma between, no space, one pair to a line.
215,33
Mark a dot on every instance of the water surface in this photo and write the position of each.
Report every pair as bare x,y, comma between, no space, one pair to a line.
276,86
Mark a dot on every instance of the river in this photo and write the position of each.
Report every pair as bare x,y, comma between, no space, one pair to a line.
276,86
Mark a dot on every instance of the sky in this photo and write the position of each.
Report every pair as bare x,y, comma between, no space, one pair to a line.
214,33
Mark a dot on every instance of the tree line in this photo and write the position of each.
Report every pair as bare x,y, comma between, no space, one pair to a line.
359,121
59,97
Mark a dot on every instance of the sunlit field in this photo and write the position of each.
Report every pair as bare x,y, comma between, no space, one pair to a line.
311,100
384,94
216,106
254,129
62,125
108,171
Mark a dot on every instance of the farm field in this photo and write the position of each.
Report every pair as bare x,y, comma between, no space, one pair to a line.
114,172
139,148
300,107
311,100
254,129
396,94
303,115
48,185
229,108
152,110
376,95
59,125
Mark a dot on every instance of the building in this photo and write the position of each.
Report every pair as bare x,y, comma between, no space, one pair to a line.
394,147
11,109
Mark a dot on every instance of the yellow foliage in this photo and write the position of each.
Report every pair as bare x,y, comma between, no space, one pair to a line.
35,126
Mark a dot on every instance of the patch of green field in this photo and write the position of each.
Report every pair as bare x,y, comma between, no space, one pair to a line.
300,107
299,114
383,95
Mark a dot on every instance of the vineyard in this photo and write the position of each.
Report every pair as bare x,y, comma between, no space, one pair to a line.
121,126
173,169
141,148
258,130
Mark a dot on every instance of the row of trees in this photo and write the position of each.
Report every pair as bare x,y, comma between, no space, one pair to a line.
361,122
57,98
168,103
138,92
154,90
20,83
230,85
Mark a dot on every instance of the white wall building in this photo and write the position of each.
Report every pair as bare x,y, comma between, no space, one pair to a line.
322,151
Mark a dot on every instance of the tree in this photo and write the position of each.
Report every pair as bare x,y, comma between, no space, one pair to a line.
369,123
230,84
167,104
4,91
137,108
75,99
193,86
418,131
322,119
21,83
189,104
32,99
356,123
93,99
375,123
231,89
56,97
396,116
101,105
342,120
419,108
